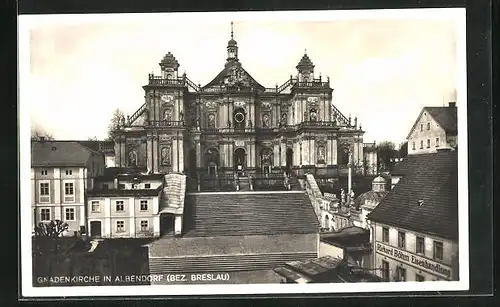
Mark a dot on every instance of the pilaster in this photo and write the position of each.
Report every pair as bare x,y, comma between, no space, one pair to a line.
175,152
180,146
57,185
155,154
82,215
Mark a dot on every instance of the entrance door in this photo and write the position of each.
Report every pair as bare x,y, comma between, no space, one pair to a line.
95,229
289,160
239,159
167,224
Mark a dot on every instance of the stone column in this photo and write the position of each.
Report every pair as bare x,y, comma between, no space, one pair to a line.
154,148
276,155
231,154
175,148
131,203
334,158
149,153
123,150
283,153
199,154
107,217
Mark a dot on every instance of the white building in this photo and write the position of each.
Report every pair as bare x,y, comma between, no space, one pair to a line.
435,128
61,173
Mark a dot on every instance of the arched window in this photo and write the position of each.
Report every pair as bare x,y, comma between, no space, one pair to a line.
169,76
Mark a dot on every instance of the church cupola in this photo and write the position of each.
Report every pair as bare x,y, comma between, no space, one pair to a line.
232,47
378,184
169,66
305,69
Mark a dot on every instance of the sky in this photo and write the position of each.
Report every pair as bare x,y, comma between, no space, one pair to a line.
384,69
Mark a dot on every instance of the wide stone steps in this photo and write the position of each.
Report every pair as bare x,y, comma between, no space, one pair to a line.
249,213
224,263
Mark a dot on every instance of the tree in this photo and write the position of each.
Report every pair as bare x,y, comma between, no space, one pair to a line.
38,136
386,152
403,149
115,123
54,228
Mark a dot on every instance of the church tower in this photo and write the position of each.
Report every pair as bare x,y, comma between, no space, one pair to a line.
169,67
232,48
305,69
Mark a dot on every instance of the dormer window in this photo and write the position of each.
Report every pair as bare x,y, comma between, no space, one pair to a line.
420,202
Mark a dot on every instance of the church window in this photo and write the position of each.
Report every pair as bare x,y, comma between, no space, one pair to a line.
321,155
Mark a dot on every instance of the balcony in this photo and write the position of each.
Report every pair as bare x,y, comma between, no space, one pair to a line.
160,81
163,123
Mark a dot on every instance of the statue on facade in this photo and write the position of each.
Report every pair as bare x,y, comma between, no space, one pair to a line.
165,155
250,123
342,196
321,154
167,115
313,116
181,116
122,121
355,122
351,197
198,123
211,120
265,121
132,158
229,123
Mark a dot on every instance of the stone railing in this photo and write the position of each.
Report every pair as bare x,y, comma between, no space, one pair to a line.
319,201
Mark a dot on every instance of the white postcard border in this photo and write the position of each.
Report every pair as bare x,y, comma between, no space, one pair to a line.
27,289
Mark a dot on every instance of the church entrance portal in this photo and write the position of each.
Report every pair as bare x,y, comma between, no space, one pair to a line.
239,159
289,160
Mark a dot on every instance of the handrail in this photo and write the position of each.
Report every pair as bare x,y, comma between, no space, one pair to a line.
137,114
191,84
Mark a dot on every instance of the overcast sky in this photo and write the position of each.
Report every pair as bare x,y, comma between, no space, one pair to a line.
383,70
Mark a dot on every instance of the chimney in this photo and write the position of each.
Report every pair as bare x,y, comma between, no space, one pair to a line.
452,104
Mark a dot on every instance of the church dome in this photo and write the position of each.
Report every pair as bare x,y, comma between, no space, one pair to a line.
231,43
379,179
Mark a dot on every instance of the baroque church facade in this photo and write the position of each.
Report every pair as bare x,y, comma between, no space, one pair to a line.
234,125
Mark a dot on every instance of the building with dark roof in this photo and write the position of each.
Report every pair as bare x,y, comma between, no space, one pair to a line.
415,226
323,270
61,174
435,128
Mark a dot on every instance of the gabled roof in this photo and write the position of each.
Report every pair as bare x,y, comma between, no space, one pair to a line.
370,196
433,180
446,117
219,79
59,153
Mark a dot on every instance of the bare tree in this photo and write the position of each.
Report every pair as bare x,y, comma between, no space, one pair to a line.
38,136
115,123
54,228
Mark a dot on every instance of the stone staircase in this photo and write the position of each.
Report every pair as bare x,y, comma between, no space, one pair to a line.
249,213
224,263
